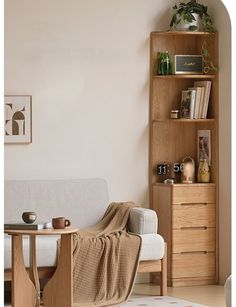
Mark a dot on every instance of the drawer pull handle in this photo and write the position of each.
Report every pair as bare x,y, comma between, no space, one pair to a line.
194,228
193,204
188,253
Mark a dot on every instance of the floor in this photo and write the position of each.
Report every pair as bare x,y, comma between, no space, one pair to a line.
212,296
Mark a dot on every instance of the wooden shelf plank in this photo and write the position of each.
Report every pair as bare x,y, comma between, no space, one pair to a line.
184,76
182,33
182,120
184,184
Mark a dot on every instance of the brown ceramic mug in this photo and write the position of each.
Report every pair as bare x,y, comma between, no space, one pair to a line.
60,222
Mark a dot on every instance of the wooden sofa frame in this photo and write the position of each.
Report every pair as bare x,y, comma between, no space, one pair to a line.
149,266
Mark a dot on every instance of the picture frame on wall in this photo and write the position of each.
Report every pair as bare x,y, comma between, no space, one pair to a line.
204,145
18,119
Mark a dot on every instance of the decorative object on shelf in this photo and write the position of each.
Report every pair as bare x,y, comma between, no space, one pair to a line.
17,119
203,174
187,104
60,223
188,173
170,170
169,181
204,145
164,64
29,217
191,16
187,64
174,114
208,65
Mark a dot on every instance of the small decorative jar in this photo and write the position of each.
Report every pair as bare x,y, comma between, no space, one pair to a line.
203,174
174,114
29,217
188,170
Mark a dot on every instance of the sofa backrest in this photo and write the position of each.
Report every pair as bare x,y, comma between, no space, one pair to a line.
83,201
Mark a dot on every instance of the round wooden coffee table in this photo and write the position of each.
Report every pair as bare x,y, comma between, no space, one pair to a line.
26,288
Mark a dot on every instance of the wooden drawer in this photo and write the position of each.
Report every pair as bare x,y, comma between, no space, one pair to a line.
193,239
193,215
193,194
193,265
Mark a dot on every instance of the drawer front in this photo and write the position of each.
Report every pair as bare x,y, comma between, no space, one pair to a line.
193,239
193,215
193,194
193,265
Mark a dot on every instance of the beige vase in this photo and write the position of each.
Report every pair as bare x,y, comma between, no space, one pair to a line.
203,174
184,26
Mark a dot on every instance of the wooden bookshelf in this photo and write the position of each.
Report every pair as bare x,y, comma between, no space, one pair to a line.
171,140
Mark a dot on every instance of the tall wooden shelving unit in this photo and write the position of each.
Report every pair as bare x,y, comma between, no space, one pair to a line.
187,213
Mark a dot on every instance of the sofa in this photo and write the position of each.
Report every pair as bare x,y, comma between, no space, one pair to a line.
83,202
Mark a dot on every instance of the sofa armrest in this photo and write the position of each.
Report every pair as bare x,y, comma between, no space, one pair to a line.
142,221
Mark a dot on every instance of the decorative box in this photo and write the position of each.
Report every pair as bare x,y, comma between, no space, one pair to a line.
187,64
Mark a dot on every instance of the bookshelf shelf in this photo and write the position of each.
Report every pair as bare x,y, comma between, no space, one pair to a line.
181,33
184,76
211,184
181,120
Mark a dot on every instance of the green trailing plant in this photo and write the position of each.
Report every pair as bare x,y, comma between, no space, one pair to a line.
184,12
208,65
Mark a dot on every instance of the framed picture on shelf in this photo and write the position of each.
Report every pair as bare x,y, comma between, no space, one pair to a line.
204,145
17,121
187,104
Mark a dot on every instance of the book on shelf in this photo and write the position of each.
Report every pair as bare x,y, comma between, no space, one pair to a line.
197,101
187,104
205,103
24,226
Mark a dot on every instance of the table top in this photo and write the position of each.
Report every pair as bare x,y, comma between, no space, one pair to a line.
46,232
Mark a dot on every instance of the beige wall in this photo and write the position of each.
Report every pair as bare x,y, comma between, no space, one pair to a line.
222,23
86,64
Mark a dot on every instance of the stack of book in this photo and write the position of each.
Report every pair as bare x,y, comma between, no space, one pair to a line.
24,226
195,100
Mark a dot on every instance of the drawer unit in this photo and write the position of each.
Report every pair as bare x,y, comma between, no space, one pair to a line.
188,265
187,221
201,194
193,215
194,239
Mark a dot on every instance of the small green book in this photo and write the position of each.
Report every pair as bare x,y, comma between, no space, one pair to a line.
24,226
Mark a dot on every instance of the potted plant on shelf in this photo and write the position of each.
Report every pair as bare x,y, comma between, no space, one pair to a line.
191,16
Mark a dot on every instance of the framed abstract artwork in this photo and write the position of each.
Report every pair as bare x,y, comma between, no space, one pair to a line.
18,119
204,145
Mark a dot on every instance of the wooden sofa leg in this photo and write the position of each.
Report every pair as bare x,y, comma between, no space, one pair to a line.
164,273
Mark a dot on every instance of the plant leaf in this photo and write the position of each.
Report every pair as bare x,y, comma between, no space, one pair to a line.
192,28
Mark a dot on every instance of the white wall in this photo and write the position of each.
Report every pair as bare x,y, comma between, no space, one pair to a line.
86,64
222,23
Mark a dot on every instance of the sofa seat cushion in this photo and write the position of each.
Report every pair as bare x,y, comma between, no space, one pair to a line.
46,251
152,249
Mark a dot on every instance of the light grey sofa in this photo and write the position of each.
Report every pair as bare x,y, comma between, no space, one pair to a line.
84,202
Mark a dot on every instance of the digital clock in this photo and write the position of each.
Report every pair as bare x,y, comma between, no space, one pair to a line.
169,168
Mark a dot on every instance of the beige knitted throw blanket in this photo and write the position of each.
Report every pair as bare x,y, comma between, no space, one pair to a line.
106,259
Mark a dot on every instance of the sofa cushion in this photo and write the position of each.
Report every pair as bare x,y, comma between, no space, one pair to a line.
83,201
152,249
142,221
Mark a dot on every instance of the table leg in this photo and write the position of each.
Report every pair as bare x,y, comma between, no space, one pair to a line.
23,290
33,268
59,289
